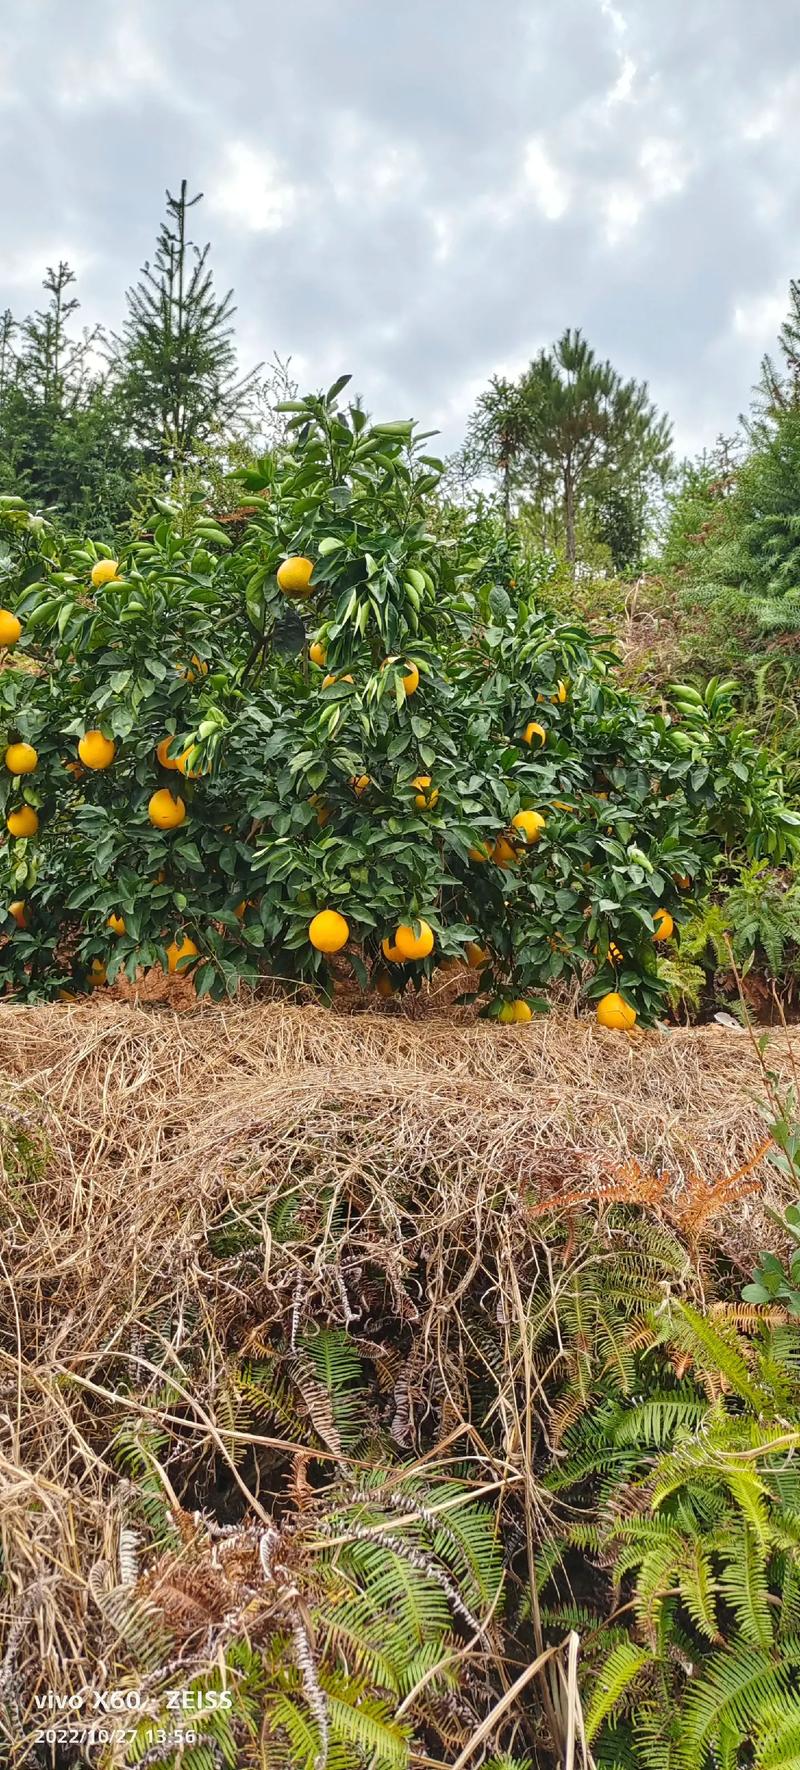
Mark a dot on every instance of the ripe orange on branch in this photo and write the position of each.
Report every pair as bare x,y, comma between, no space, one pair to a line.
10,628
664,925
166,810
178,955
21,758
162,752
410,677
19,911
24,822
534,730
294,576
530,824
426,797
96,751
103,572
328,931
411,945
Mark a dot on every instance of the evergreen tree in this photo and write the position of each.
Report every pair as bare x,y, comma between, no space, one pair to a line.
176,358
498,433
62,438
585,427
778,390
573,440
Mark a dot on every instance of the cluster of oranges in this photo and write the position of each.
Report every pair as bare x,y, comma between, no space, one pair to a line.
329,930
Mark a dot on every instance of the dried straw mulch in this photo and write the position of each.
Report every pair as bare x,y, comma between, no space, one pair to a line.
128,1135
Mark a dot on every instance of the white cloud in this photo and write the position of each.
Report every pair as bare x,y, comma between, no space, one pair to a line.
125,65
623,209
665,167
758,318
623,86
548,186
25,268
250,191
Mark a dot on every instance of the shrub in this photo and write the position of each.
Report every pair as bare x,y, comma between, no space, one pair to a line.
352,741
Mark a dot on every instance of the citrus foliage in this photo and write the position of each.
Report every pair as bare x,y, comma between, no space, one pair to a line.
342,715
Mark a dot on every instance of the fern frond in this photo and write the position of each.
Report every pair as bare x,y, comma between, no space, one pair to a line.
612,1684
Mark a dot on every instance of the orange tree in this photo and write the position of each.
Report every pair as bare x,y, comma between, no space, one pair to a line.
342,734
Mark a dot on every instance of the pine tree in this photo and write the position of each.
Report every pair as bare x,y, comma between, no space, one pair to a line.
498,433
586,426
176,358
8,356
62,438
55,367
778,390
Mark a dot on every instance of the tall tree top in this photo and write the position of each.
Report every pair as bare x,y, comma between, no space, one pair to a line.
176,354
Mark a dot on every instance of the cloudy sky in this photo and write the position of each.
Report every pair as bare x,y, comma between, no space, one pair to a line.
425,191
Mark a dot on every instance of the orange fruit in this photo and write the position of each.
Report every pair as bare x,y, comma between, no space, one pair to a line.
21,758
318,653
562,805
97,974
534,730
19,911
103,572
24,822
683,881
560,694
410,676
10,628
190,774
323,811
294,576
359,783
116,924
166,810
503,854
162,752
664,925
391,952
328,931
198,667
613,1011
96,751
424,799
522,1011
177,955
530,824
506,1014
479,855
329,680
477,956
411,945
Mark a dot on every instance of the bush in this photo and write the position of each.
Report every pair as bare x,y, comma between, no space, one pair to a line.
343,784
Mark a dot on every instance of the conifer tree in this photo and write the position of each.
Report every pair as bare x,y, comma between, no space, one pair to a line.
176,357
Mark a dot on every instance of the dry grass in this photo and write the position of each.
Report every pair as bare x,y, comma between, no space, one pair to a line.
130,1135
